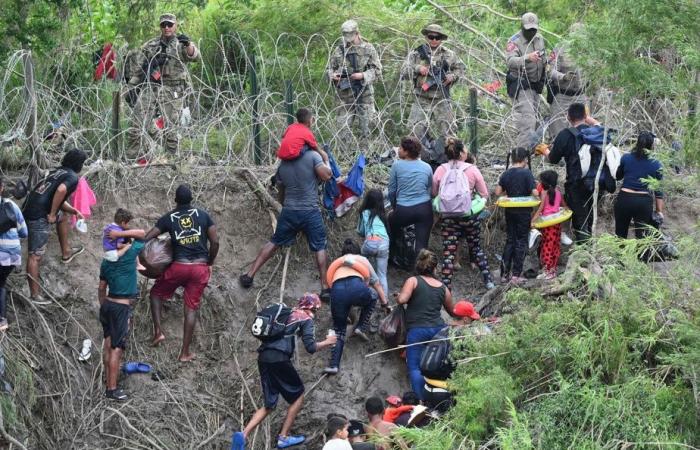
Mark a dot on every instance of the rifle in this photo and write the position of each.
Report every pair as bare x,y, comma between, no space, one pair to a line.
348,83
436,74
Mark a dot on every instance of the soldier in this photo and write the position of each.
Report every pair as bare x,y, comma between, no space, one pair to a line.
566,85
353,68
525,57
158,71
434,70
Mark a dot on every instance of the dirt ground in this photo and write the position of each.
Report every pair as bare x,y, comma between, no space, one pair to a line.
198,404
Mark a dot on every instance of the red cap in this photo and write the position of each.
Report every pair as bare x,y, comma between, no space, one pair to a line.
464,308
394,400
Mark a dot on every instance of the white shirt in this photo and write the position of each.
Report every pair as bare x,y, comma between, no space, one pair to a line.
337,444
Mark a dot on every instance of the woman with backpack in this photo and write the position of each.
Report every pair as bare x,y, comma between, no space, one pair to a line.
424,296
637,199
12,229
450,181
410,181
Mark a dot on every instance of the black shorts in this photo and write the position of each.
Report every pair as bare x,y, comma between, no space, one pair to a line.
279,378
115,323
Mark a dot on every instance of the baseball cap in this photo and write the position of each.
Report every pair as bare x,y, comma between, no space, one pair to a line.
394,400
168,17
356,428
464,308
530,21
349,27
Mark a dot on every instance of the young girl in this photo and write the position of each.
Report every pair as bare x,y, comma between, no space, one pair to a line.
551,201
516,182
372,226
337,433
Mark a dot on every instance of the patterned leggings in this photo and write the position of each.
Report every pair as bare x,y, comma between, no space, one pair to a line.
550,247
452,229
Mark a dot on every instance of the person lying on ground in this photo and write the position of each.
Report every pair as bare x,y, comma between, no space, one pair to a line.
357,436
400,415
47,204
337,434
297,181
424,296
117,294
195,246
278,376
14,229
378,428
298,138
348,277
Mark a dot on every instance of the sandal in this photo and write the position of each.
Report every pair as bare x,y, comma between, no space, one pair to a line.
75,251
245,280
136,367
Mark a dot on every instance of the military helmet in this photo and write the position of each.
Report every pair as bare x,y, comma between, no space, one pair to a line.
348,27
433,28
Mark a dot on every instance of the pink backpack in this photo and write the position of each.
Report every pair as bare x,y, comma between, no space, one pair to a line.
455,194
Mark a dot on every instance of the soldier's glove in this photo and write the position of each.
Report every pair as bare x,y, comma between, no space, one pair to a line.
541,149
184,40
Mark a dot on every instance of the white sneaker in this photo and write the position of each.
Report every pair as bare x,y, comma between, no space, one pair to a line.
565,239
534,235
86,352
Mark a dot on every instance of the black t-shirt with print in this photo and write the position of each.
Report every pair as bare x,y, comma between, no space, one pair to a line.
38,203
187,227
517,182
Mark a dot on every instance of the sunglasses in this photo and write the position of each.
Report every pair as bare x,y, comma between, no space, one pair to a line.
434,37
167,25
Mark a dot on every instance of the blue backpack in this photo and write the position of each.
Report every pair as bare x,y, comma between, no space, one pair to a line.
589,143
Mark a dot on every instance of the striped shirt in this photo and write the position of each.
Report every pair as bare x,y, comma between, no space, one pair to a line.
10,246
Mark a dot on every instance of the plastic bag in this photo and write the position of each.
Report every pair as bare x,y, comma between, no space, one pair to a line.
392,328
155,257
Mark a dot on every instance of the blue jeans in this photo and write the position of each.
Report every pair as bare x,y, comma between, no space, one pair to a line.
414,353
346,293
379,251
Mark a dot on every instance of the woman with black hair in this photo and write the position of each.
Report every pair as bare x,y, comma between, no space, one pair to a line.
10,246
373,228
637,198
410,183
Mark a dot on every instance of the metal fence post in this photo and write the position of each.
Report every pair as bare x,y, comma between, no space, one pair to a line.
257,150
473,114
289,100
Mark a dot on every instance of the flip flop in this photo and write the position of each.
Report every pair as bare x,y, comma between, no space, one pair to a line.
136,367
238,441
75,251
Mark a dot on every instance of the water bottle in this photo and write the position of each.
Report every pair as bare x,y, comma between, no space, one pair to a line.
331,332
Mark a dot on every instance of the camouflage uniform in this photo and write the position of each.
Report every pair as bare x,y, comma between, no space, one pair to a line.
362,107
435,103
165,98
526,103
567,82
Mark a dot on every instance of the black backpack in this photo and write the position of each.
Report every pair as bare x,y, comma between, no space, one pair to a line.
435,361
270,322
8,218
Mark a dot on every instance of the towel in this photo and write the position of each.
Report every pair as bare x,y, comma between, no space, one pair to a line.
83,198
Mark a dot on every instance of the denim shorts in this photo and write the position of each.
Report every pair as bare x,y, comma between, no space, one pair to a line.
309,222
38,230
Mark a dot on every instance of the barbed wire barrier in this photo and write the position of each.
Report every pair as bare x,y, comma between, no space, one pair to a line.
221,106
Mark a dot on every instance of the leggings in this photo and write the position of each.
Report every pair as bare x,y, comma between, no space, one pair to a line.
550,248
630,206
420,215
452,229
518,227
5,271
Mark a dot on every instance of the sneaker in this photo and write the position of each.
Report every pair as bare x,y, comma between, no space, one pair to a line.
238,441
361,334
116,394
289,441
517,280
39,300
331,370
490,285
3,324
245,281
75,251
325,295
565,239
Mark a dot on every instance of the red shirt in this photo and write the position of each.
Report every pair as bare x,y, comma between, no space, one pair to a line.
293,140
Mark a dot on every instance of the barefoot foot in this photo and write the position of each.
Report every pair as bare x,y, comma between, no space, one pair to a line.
157,340
186,358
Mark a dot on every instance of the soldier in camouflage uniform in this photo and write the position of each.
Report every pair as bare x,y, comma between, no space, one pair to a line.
434,69
525,57
353,68
159,70
566,84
